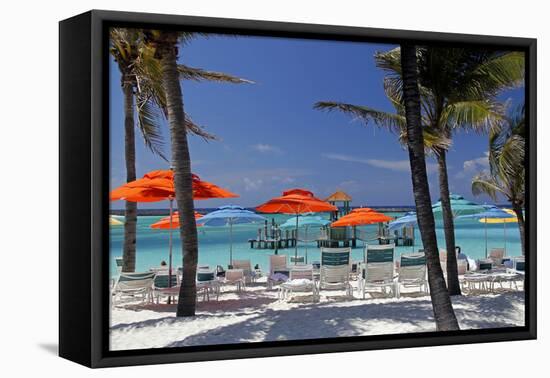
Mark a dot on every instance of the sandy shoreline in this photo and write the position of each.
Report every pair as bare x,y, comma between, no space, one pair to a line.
257,315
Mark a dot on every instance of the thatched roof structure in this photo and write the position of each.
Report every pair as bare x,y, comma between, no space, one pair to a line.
338,196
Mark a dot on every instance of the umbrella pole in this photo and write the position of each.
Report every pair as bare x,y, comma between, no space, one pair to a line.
412,235
504,223
170,246
230,242
486,237
296,243
306,244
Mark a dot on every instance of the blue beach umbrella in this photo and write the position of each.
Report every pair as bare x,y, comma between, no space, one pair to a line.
459,206
305,221
409,219
492,212
228,216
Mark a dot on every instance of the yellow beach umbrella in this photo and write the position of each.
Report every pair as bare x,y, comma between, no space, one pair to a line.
501,220
114,222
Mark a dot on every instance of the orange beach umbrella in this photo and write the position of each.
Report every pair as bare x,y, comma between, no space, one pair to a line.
361,216
164,223
157,186
296,201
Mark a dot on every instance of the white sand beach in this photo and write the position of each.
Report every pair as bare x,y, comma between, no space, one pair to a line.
258,315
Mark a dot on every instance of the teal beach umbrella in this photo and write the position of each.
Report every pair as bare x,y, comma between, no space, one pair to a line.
459,206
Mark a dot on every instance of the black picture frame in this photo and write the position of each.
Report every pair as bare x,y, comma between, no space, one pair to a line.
84,185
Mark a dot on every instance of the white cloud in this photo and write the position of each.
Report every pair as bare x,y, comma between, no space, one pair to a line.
252,184
392,165
474,166
266,148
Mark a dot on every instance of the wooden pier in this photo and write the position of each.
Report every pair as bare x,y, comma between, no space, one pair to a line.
273,238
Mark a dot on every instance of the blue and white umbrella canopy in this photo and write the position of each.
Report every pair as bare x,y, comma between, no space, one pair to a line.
228,216
409,219
489,213
304,221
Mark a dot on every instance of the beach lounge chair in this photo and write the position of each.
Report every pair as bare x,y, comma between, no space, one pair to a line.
297,259
235,277
335,270
278,270
207,283
301,280
119,263
462,266
245,265
161,287
485,265
496,255
378,270
412,272
134,284
519,265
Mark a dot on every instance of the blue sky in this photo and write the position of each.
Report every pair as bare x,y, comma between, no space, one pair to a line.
272,139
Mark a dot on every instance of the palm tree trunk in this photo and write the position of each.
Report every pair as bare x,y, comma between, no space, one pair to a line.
445,318
453,284
129,248
183,181
521,224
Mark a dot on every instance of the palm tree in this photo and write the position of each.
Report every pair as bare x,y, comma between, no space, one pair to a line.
165,47
144,95
507,168
441,302
457,87
126,52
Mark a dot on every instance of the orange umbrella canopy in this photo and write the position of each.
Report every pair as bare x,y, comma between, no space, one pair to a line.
164,223
296,201
159,186
361,216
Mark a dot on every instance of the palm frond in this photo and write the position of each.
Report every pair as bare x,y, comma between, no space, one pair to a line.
484,184
197,130
390,121
149,125
389,61
198,74
477,115
504,71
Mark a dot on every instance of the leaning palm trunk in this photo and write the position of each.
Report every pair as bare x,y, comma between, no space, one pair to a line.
521,224
453,284
182,171
129,248
441,302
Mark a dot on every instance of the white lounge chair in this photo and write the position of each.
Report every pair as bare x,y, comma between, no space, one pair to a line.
412,272
119,261
335,270
235,277
161,287
301,280
207,283
246,268
277,264
134,284
496,255
378,271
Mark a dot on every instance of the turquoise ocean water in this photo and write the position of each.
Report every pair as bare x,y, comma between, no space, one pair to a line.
152,245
